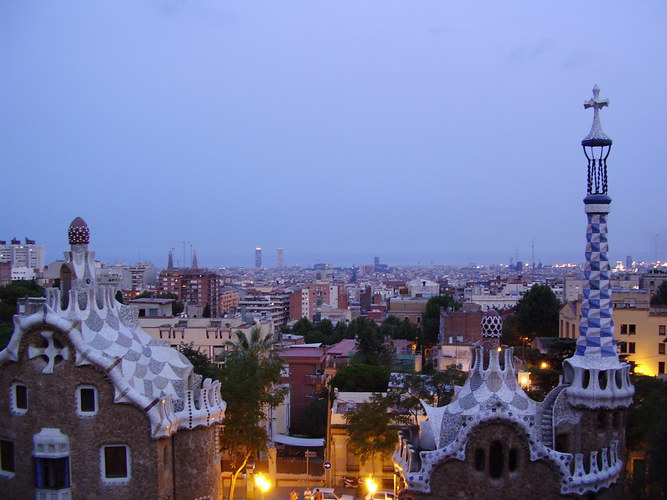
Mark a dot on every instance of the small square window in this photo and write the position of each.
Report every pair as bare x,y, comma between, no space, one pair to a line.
624,329
661,348
661,368
7,456
115,463
661,329
632,329
631,347
87,401
623,347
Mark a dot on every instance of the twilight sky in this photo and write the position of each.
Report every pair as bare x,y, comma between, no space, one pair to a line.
417,131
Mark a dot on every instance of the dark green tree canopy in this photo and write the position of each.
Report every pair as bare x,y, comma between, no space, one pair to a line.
536,314
9,295
647,430
200,362
395,328
249,383
408,390
431,318
370,346
372,428
359,377
660,297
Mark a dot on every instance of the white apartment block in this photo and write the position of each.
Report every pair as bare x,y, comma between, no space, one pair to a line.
23,255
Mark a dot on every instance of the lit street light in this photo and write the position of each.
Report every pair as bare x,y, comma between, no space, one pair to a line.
262,483
371,485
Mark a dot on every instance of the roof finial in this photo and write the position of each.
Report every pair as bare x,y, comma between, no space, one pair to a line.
596,134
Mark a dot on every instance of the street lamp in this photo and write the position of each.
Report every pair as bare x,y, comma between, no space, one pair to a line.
262,483
371,485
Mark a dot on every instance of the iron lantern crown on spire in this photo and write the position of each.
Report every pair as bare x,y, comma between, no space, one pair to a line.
597,146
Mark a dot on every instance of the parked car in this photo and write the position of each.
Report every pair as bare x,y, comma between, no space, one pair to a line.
330,494
380,495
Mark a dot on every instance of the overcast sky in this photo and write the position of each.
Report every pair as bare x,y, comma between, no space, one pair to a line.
416,131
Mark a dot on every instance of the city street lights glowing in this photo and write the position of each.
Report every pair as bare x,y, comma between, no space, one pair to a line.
371,485
262,483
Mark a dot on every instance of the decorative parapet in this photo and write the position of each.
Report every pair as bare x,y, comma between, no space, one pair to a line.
596,386
601,470
579,473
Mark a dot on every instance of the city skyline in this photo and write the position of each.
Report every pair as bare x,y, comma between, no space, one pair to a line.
422,133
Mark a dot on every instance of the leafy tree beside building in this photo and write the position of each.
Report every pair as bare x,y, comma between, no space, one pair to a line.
431,317
660,297
9,295
249,384
536,314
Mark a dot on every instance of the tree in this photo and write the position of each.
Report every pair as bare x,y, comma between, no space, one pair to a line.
359,377
313,422
200,362
647,429
9,295
660,297
370,347
176,306
435,388
371,428
392,327
143,295
302,327
207,311
536,314
431,317
249,381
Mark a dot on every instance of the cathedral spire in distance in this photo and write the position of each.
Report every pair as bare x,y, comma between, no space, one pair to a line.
596,376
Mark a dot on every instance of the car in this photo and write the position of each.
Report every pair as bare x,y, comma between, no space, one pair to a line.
381,495
330,494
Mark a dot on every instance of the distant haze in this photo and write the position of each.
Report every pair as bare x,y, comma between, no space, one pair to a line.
419,132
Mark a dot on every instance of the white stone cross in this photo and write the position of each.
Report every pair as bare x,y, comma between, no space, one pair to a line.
596,103
50,351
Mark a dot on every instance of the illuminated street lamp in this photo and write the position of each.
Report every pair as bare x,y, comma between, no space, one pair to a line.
371,485
544,365
262,483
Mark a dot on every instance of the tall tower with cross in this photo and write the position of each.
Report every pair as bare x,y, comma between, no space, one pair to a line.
596,377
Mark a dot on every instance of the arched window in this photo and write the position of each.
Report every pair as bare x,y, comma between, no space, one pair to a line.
496,460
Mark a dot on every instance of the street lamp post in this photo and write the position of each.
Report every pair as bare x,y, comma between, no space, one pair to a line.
262,483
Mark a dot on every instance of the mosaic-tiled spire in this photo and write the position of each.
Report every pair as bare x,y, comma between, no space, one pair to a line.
596,327
595,375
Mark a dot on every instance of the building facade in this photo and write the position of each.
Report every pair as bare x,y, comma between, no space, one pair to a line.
93,407
28,254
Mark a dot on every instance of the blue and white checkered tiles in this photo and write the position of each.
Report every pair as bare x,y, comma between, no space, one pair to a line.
596,327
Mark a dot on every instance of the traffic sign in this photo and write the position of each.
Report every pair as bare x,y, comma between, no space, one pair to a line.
326,465
310,454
